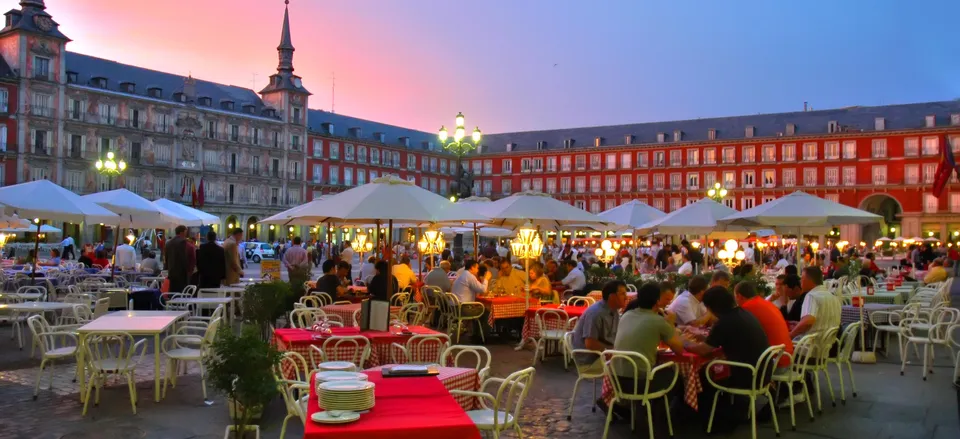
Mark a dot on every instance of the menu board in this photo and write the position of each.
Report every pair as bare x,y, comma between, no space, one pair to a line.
270,269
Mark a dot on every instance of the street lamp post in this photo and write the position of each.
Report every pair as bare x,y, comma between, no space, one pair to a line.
112,168
459,148
717,192
527,245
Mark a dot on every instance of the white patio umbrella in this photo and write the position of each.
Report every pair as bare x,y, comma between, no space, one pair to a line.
25,227
134,210
632,214
538,209
885,239
291,216
798,211
12,221
42,199
931,239
185,215
699,218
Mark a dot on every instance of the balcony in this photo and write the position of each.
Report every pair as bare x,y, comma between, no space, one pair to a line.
41,111
296,146
42,74
137,124
163,128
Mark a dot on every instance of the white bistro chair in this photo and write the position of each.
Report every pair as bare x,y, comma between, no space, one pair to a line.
501,412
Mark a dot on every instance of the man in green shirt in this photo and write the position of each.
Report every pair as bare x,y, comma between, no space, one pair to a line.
641,330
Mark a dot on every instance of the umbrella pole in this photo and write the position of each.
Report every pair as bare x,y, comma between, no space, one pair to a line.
419,254
798,251
116,243
476,242
862,356
36,252
329,242
389,272
379,247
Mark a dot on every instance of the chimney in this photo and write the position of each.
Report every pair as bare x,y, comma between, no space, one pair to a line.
190,88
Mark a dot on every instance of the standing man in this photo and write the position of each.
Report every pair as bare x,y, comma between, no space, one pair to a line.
211,263
231,251
126,257
296,256
67,246
176,261
347,253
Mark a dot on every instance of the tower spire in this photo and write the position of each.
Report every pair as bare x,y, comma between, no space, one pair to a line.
285,49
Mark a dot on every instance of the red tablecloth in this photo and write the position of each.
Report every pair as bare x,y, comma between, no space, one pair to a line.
689,365
454,378
346,312
299,340
504,307
417,408
530,329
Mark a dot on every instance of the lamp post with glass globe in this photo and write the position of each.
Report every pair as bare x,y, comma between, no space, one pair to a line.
459,148
717,192
111,168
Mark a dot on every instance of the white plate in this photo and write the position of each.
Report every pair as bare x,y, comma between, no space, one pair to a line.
339,375
346,386
326,418
336,365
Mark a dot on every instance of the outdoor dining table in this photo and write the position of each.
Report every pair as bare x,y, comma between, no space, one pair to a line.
37,306
224,291
532,331
136,323
346,312
453,378
504,307
409,407
21,296
689,365
299,341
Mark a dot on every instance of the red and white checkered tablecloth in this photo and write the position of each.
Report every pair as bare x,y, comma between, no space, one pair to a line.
530,328
346,312
455,378
689,365
503,307
299,341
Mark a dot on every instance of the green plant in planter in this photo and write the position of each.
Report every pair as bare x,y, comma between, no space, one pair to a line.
298,275
263,303
241,367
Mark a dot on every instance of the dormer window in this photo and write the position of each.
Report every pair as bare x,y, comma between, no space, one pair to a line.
72,77
328,127
98,81
356,132
748,132
955,119
128,87
661,137
712,134
833,127
791,129
598,141
541,145
179,97
879,124
250,108
269,112
380,137
405,141
205,101
226,105
931,121
155,92
568,143
677,135
628,139
510,147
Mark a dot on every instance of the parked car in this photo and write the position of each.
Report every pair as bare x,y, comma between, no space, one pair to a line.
257,251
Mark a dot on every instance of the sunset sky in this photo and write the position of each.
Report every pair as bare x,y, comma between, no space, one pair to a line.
513,65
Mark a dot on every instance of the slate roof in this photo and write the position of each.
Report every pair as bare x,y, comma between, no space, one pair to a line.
896,117
392,134
5,71
23,19
88,67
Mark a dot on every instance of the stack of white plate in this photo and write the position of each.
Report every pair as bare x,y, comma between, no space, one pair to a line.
336,375
337,365
346,395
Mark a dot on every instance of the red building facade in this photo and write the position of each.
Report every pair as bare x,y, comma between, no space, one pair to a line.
345,152
9,94
888,169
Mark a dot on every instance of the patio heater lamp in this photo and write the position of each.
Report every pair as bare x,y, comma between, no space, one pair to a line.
731,254
527,245
606,252
361,245
717,192
110,167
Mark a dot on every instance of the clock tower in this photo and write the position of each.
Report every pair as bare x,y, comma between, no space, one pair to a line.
286,94
33,46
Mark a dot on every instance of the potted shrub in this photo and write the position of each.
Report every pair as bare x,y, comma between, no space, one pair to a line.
241,367
263,303
298,275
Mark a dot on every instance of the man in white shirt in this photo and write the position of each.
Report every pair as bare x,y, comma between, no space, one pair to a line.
748,253
126,257
575,279
404,274
367,270
821,309
467,286
782,263
346,254
67,247
688,306
687,267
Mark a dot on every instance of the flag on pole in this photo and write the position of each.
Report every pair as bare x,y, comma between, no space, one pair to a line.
946,167
193,195
183,189
200,194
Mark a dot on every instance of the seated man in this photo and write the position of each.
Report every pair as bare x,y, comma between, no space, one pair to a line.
789,296
437,276
510,281
468,286
688,306
330,283
642,329
820,310
936,273
404,274
575,279
769,317
720,278
596,329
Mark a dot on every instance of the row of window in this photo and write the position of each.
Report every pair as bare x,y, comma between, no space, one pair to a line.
357,177
788,152
930,203
832,176
383,157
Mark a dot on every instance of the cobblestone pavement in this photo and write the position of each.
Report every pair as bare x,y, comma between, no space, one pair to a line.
887,406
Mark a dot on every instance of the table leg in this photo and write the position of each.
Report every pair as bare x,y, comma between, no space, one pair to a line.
81,365
156,367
